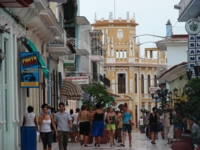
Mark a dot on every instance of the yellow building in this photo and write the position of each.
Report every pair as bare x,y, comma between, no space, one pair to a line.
130,75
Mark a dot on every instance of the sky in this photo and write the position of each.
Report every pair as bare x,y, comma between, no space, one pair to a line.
151,15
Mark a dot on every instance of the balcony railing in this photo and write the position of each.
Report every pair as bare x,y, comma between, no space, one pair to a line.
76,73
100,78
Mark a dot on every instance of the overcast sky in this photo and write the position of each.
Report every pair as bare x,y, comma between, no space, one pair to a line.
151,15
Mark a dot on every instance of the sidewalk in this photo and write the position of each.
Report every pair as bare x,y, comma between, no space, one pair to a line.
139,142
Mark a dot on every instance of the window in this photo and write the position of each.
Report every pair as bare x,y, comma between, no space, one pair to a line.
120,34
135,83
125,54
121,54
149,82
142,84
117,54
121,83
103,37
155,81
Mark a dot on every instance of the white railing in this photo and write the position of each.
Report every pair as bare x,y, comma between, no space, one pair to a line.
110,60
76,73
79,44
183,4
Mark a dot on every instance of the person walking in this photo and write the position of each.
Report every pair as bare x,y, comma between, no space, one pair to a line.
64,122
30,119
118,135
84,125
146,122
70,129
98,124
127,124
141,123
167,124
75,126
45,121
111,125
153,123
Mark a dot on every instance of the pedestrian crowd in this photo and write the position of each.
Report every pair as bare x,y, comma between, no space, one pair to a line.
61,126
169,123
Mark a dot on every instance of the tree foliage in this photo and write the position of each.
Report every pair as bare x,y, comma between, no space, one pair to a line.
97,94
191,106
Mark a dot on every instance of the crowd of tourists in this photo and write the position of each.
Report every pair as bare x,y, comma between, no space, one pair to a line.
170,123
61,126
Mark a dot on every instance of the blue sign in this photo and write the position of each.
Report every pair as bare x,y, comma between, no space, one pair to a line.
29,69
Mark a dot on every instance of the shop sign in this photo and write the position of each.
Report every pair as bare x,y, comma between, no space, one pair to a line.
79,79
153,89
29,69
192,26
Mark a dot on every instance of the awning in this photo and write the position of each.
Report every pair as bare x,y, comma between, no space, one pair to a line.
71,90
31,48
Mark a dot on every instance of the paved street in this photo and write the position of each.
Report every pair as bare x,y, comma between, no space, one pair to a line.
139,142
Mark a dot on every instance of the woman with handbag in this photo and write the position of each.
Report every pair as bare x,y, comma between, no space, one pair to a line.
45,121
127,124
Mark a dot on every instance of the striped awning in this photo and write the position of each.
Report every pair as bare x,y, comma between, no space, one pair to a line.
71,90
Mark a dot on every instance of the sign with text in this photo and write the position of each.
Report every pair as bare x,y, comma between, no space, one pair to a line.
29,69
153,89
79,79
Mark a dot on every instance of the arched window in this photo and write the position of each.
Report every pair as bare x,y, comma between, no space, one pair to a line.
149,82
135,83
142,84
155,81
124,53
120,34
121,54
117,54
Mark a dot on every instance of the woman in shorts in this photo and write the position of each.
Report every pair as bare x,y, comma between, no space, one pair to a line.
127,124
111,125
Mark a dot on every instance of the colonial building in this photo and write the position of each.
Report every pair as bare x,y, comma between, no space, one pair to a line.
130,75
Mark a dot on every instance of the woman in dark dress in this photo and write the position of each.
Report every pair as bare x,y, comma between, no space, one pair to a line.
153,123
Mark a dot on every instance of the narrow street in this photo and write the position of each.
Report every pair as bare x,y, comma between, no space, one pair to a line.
139,142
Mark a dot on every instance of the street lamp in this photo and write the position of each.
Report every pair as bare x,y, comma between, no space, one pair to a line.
196,70
155,96
175,92
2,56
189,74
149,35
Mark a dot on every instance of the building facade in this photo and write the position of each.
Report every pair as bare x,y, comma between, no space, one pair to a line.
130,75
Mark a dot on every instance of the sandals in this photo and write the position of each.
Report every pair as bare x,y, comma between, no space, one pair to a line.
95,144
122,145
153,143
81,142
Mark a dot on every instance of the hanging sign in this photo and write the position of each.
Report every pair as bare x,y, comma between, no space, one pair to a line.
192,26
29,69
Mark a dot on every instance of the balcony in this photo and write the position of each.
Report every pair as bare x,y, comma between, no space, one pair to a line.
188,9
15,3
76,73
97,53
68,61
81,46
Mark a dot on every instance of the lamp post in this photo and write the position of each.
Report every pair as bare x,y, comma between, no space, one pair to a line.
162,94
2,56
196,72
155,96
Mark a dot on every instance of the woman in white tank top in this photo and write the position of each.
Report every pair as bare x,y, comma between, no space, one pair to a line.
29,119
45,121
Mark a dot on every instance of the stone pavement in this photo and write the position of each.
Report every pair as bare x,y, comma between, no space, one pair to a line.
139,142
